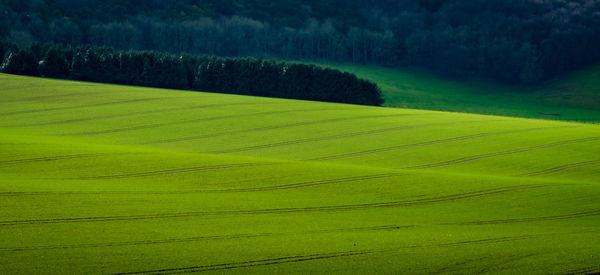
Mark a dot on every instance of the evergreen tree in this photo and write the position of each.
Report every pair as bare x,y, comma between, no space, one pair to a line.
20,62
54,64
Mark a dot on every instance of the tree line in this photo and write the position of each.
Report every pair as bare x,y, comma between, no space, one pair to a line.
509,40
247,76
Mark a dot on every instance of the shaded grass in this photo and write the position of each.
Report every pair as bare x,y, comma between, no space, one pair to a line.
574,97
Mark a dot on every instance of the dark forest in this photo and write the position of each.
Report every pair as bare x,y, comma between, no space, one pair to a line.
517,41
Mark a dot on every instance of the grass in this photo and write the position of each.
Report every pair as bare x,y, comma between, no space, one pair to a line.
575,97
98,178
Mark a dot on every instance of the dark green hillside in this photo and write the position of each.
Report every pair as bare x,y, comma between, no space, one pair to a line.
575,96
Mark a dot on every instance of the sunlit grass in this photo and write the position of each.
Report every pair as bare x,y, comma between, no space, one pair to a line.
99,178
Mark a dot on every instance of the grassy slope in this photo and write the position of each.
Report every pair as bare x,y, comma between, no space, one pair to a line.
575,96
121,179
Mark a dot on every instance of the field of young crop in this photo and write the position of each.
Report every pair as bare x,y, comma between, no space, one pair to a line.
98,178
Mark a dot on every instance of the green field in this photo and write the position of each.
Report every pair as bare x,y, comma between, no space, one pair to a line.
110,179
575,97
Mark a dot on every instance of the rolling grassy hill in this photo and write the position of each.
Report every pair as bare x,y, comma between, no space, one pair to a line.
575,97
128,180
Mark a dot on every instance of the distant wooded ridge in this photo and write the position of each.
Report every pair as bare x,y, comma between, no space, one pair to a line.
524,41
246,76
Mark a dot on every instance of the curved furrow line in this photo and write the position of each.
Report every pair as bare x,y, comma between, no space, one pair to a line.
535,219
202,238
126,115
311,257
156,125
447,198
590,270
274,127
117,130
49,86
509,152
133,243
71,120
560,168
36,98
52,158
81,106
307,140
348,135
455,268
432,142
109,192
307,183
272,261
14,194
490,240
174,171
497,266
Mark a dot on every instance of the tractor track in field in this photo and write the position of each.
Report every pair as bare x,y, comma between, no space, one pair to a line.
174,171
508,152
274,127
156,125
70,120
194,169
308,257
595,269
489,240
117,130
347,207
559,168
82,106
254,263
109,192
133,243
432,142
536,219
498,265
126,115
340,136
36,98
51,86
456,267
51,158
307,183
204,238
